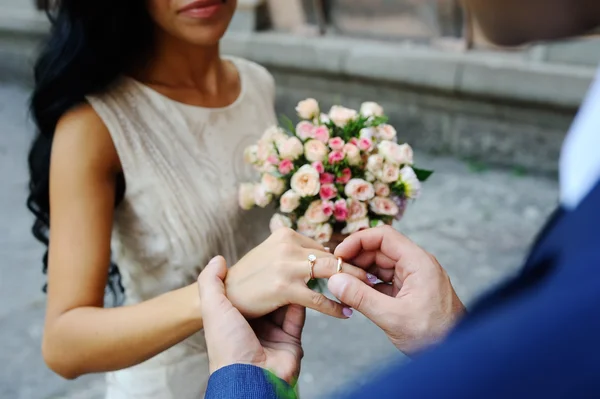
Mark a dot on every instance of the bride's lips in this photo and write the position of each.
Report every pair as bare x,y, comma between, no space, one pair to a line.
201,9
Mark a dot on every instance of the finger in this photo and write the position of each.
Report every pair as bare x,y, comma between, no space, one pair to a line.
368,258
327,266
293,323
210,282
386,289
290,236
308,298
361,297
385,275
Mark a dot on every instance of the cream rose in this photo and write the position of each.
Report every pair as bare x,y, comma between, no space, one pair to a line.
370,108
304,227
251,154
315,213
262,197
323,233
308,109
390,173
375,164
382,189
383,206
315,151
394,153
306,181
386,132
340,116
289,201
279,222
406,155
356,225
246,196
272,184
291,148
305,130
412,185
272,134
356,209
352,154
359,189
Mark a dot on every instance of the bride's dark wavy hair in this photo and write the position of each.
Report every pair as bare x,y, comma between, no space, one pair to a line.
91,43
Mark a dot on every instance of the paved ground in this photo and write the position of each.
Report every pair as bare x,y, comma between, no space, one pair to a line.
478,224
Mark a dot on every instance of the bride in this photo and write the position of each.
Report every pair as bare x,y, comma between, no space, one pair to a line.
141,130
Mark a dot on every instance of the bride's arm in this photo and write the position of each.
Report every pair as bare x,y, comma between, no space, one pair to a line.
80,336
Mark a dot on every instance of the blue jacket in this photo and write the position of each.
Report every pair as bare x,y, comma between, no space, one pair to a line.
537,336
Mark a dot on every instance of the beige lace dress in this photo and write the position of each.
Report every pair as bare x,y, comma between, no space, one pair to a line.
182,167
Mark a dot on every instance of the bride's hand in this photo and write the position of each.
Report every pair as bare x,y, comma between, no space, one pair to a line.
275,274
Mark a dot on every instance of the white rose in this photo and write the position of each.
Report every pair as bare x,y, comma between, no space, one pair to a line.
324,119
251,154
370,108
289,201
370,177
272,184
390,173
412,185
354,226
386,132
308,109
323,233
279,222
359,189
375,164
340,116
352,154
406,155
291,148
272,133
315,151
368,133
264,150
394,153
306,228
246,196
315,214
384,206
306,181
262,197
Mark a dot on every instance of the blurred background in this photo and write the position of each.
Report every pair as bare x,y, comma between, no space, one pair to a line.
489,120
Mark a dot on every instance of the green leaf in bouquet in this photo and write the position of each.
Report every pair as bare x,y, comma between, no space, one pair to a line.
374,222
376,121
423,174
288,124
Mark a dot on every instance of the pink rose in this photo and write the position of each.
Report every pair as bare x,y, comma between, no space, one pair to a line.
356,225
336,157
262,197
273,160
272,184
390,173
345,176
264,150
305,181
354,141
289,201
340,210
246,196
412,185
308,109
356,209
305,228
328,208
386,132
365,144
359,189
384,206
382,189
305,130
336,144
291,148
340,116
279,222
315,214
328,191
327,178
370,108
315,151
286,166
323,233
319,166
352,154
321,133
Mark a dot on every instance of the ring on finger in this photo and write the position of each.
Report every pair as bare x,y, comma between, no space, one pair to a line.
340,261
312,259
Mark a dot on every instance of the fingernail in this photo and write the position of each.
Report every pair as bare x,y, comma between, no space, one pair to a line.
347,312
372,279
213,260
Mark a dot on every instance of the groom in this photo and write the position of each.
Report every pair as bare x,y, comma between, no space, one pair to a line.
538,336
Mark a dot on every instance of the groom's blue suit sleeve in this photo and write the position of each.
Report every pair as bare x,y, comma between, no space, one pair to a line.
242,381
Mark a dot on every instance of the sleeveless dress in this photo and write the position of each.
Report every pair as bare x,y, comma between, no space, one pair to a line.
182,165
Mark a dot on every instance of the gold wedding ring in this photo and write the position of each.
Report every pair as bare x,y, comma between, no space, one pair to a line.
312,259
339,264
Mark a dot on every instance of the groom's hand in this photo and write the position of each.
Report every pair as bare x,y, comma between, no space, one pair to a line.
415,305
272,342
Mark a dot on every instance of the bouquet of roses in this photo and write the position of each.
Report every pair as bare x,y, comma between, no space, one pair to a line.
338,172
